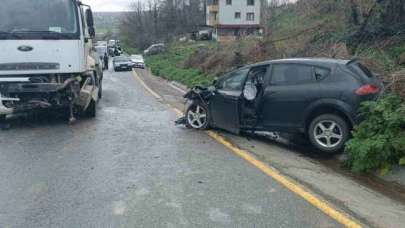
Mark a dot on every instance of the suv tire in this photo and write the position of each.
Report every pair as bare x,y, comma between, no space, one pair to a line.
328,133
197,116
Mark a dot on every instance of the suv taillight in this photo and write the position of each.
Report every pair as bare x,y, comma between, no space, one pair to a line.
367,90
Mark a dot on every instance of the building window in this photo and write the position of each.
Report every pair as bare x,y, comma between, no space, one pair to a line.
250,16
237,15
250,2
229,2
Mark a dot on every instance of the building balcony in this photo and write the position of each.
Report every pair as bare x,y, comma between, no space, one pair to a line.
212,22
212,8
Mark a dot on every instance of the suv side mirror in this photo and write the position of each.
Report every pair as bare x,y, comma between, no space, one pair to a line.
90,23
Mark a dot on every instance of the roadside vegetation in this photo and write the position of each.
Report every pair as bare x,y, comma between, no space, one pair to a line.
169,65
372,30
379,141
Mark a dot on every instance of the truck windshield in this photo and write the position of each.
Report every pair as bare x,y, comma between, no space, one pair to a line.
30,17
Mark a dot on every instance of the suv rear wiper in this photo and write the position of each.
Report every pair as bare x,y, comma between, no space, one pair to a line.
355,59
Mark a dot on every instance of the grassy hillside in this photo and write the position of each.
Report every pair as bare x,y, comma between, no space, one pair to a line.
107,23
169,65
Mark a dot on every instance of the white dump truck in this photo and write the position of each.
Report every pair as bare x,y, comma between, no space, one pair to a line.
47,59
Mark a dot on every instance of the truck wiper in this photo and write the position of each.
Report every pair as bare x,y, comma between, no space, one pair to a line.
44,32
9,34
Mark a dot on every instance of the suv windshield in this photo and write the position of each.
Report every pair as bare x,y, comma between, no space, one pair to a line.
37,17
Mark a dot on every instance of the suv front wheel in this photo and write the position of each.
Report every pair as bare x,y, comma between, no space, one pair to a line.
328,133
197,116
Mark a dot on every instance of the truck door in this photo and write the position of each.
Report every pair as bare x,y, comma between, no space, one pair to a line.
87,32
225,104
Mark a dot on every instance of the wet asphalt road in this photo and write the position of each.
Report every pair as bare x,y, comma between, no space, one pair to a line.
131,167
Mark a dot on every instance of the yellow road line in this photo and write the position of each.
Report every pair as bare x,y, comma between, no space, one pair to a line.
286,182
145,86
291,185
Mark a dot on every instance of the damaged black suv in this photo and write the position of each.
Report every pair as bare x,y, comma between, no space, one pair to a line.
317,97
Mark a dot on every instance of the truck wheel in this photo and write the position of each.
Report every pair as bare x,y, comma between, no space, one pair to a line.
91,111
197,116
328,133
100,90
3,124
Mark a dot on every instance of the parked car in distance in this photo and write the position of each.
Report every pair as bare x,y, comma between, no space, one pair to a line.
205,34
122,63
317,97
155,49
138,61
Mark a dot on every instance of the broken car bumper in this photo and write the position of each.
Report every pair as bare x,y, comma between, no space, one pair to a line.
17,95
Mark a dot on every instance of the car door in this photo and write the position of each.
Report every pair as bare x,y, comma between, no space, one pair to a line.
224,105
291,89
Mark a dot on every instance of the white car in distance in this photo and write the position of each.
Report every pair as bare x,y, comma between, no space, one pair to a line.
138,61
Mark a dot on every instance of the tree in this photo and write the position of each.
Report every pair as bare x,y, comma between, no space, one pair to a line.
161,20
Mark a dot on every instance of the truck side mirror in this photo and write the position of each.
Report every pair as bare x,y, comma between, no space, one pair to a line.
92,32
90,23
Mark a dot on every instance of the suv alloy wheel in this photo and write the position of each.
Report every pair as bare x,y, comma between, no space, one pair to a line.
197,116
328,133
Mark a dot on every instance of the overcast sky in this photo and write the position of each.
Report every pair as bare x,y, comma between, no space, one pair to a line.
109,5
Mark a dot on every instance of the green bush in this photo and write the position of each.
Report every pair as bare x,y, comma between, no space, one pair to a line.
379,141
168,65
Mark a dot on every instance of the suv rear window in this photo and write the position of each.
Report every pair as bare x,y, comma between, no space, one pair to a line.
360,69
291,74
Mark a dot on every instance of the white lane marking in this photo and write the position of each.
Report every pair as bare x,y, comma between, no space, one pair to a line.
176,88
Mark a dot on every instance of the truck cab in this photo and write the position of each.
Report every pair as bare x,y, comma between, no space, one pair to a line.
47,59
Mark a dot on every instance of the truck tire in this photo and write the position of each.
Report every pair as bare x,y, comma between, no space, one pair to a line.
91,111
100,90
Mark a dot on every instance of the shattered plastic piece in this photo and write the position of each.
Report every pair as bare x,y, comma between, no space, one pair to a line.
181,121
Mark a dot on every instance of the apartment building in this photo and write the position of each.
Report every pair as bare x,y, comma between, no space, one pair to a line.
231,19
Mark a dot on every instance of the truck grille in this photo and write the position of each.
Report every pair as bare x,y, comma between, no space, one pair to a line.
29,66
